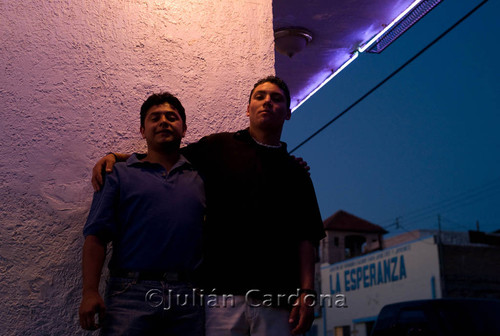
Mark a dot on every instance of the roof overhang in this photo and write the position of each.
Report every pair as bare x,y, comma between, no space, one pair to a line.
338,29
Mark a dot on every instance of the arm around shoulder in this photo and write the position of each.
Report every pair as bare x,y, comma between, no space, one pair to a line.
105,165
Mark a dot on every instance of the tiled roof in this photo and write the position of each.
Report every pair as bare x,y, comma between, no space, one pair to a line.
344,221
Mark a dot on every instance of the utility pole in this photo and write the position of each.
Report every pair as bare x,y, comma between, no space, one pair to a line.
439,228
441,259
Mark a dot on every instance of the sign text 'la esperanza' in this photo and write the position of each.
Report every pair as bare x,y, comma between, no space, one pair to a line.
369,275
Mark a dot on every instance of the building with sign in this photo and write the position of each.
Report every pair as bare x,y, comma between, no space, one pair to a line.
422,264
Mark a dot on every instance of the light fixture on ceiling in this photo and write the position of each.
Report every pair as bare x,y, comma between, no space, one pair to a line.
291,40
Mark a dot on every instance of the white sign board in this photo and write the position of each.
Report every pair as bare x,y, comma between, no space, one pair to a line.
405,272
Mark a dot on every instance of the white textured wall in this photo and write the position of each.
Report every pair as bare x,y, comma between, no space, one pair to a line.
73,74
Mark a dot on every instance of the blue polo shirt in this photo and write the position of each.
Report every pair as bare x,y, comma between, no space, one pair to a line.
153,217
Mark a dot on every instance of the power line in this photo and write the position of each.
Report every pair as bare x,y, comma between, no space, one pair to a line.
389,77
462,199
463,226
471,196
415,235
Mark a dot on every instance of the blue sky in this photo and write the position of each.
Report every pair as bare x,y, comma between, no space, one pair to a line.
427,142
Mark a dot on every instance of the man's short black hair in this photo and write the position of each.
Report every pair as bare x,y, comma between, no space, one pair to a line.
276,81
159,99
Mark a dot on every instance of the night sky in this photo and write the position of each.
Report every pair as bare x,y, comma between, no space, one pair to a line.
425,144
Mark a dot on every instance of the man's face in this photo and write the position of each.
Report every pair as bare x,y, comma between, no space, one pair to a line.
163,126
268,107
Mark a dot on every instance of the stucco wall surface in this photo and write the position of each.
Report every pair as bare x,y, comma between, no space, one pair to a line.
73,75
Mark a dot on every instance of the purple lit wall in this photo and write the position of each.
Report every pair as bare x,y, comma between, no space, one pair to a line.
73,75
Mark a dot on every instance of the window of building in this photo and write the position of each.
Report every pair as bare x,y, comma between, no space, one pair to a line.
342,331
353,245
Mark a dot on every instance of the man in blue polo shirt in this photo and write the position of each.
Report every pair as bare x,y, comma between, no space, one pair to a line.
151,209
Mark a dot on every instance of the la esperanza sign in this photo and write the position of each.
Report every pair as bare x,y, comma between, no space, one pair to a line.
413,264
369,274
409,271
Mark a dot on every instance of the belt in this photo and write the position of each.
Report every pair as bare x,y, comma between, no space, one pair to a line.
152,275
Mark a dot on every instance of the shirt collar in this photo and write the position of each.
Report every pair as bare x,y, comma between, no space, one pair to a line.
244,135
135,159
